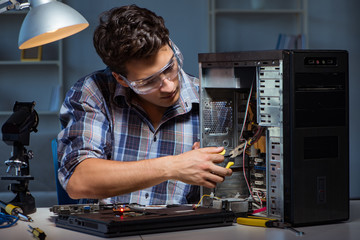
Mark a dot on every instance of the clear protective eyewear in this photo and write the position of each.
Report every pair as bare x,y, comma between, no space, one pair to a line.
169,72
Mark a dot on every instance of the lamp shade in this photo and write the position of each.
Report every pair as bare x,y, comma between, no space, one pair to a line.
49,21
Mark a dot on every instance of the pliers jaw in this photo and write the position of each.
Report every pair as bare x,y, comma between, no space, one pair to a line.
238,150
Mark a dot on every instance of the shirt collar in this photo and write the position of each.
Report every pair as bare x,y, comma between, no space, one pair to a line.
189,92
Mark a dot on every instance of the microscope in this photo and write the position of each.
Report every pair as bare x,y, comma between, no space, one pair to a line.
16,132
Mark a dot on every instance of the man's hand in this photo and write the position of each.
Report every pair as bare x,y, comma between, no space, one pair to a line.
198,167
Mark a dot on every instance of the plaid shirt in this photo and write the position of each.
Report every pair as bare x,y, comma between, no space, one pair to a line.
99,120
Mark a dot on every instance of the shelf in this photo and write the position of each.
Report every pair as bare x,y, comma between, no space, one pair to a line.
55,113
43,62
260,11
235,26
15,12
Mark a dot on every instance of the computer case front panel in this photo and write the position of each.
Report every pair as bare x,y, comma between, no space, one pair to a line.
316,171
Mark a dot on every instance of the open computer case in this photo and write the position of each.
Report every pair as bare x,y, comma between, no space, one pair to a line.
291,109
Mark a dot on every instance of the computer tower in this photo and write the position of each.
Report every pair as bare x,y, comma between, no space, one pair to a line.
286,115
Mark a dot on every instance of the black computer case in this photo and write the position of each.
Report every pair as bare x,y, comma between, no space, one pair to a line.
307,155
316,131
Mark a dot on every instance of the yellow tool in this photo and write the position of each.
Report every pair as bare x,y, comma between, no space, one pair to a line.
233,153
266,222
37,233
222,152
229,164
256,221
15,211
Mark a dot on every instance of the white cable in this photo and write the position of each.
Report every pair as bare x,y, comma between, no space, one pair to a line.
246,111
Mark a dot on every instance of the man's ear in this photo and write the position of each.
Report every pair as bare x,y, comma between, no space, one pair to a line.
119,79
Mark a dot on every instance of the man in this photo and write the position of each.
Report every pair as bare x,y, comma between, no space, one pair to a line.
129,130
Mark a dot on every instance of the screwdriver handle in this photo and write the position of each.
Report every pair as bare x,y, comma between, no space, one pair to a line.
37,233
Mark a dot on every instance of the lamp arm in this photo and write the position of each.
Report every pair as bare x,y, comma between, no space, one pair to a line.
13,4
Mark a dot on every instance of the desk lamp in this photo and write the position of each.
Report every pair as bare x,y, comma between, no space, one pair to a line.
47,21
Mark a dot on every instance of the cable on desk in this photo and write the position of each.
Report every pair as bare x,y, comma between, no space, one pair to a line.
8,220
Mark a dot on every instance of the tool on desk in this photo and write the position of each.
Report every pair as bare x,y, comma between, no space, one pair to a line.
266,222
15,211
256,221
37,233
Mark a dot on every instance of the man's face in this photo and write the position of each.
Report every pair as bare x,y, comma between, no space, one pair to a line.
168,92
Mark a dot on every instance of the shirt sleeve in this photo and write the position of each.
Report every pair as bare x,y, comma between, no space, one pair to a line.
85,128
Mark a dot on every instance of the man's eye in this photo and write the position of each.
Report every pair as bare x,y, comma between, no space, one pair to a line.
169,68
149,81
141,83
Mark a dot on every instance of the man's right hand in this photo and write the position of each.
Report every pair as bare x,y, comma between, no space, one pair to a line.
199,167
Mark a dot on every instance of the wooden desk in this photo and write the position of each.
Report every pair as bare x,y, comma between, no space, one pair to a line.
349,230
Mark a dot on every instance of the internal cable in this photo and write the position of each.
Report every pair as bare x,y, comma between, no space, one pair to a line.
246,111
263,209
256,136
261,204
205,195
246,180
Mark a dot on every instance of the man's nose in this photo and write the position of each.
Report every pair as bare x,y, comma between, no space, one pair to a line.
167,84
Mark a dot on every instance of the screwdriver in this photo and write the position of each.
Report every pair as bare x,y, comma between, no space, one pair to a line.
15,211
37,233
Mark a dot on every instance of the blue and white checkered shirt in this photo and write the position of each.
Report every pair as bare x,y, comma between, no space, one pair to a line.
100,121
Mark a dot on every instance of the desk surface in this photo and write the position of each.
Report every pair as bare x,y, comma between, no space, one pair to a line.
44,219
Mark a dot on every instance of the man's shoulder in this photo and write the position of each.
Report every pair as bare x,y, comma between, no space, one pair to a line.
98,87
99,77
97,82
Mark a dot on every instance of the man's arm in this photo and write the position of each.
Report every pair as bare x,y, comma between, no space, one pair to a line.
99,178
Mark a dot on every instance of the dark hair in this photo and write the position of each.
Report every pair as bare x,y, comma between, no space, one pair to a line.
127,33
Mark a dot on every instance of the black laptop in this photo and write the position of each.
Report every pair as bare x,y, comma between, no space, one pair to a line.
128,221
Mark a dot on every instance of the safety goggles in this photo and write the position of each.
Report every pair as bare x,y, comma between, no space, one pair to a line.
169,72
